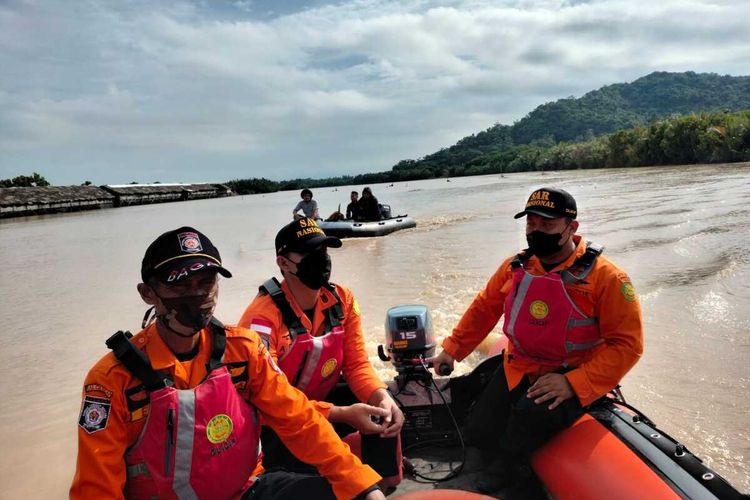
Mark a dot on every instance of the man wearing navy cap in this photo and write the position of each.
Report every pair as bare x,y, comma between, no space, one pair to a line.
573,325
313,328
174,411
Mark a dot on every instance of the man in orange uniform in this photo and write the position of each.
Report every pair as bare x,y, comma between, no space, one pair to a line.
574,327
173,412
313,328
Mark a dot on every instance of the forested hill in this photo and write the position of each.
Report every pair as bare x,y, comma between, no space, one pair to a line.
614,107
660,119
626,105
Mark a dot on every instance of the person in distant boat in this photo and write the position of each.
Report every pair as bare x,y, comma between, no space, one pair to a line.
352,209
573,322
173,411
368,208
313,328
308,206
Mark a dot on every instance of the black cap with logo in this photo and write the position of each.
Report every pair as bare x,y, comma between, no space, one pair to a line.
550,203
303,235
177,254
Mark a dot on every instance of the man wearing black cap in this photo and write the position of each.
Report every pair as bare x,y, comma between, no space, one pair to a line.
173,412
313,328
574,328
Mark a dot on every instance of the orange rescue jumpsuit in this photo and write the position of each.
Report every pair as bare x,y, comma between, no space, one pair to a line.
356,366
100,469
606,293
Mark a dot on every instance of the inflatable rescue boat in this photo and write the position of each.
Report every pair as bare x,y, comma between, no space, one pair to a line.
356,229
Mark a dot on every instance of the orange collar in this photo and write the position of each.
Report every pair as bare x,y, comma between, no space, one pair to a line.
325,300
161,356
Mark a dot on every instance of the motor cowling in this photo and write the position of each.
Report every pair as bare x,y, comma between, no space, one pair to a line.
409,337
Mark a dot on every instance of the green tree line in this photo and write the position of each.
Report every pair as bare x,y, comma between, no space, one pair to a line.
704,138
24,181
719,137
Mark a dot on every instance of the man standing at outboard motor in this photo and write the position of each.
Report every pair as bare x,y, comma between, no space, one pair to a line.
173,412
574,327
313,328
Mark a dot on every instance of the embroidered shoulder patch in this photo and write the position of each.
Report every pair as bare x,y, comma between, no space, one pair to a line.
94,414
97,388
628,292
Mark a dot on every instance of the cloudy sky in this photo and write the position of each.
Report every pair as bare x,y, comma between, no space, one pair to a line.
187,91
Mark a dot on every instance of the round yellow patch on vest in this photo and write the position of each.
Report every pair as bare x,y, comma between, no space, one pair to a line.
628,291
219,428
355,307
328,368
539,309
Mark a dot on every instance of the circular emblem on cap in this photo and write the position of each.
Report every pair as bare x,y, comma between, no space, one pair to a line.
628,291
219,428
190,242
539,309
328,368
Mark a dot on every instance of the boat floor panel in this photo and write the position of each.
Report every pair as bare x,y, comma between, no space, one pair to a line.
438,461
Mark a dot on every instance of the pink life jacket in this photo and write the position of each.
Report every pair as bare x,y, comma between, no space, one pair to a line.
197,443
541,320
312,364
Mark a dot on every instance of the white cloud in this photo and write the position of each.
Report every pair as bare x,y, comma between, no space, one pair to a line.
390,80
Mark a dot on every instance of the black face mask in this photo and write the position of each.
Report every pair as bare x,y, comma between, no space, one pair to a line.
187,310
544,244
314,270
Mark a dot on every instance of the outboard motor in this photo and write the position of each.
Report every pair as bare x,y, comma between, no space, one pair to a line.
385,211
408,339
427,402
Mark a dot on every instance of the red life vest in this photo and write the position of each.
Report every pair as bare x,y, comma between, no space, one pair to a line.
542,321
312,364
197,443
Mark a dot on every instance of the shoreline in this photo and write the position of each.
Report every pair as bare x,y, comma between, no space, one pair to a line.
30,201
18,202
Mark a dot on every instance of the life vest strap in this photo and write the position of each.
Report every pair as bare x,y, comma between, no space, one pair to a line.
219,345
333,317
520,259
136,361
585,262
572,323
135,470
273,288
571,346
334,314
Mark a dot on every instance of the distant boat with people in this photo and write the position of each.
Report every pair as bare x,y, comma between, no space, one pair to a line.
357,229
364,217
